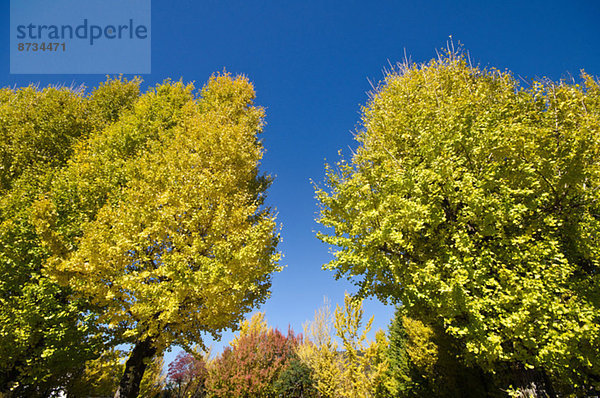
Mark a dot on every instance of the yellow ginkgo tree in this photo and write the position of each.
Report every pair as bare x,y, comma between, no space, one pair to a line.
475,202
159,219
46,336
363,367
356,371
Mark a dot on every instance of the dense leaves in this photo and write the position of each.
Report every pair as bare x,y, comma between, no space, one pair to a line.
45,334
320,353
475,202
127,218
424,362
158,218
295,381
253,365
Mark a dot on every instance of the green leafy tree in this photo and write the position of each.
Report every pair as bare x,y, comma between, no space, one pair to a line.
295,381
398,380
475,203
158,219
423,362
45,334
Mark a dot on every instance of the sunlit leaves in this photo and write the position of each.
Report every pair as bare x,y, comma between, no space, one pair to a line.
253,365
161,214
359,368
475,202
45,334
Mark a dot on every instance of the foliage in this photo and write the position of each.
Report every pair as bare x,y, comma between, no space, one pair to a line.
256,324
421,349
381,361
111,98
398,379
46,334
295,381
158,218
422,363
100,377
361,370
474,202
154,381
170,196
319,353
252,366
187,376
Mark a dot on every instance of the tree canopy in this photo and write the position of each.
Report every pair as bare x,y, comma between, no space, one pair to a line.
146,211
45,335
474,201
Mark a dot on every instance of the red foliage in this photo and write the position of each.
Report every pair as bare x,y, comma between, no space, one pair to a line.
250,368
187,375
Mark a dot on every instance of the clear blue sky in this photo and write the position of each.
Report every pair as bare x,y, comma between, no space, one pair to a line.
310,62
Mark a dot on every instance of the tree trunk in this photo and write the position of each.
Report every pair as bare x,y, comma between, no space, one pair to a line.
129,386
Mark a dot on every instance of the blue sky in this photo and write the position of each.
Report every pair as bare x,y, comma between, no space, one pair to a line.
311,62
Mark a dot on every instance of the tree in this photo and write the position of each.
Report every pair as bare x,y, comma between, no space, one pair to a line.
319,351
187,375
159,219
295,381
359,370
423,362
154,381
45,334
474,202
257,325
252,366
101,377
412,357
398,381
